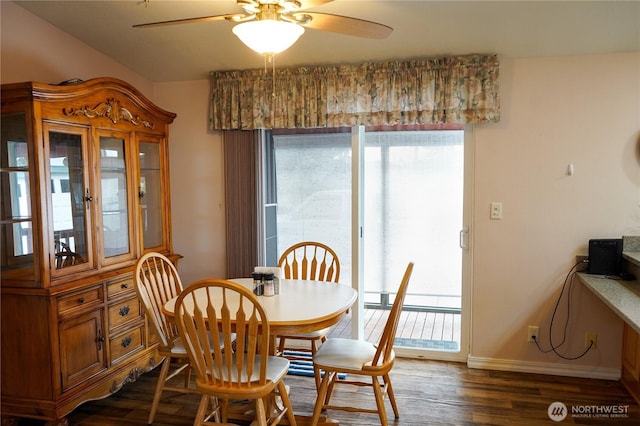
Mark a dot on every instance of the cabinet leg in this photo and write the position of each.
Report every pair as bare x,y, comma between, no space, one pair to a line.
15,421
60,422
10,421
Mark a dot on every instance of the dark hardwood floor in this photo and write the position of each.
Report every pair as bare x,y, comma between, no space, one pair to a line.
428,393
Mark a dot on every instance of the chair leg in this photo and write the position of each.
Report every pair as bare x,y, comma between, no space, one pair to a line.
286,402
164,371
215,408
320,400
392,397
261,415
316,377
379,401
281,346
224,410
187,377
202,411
332,383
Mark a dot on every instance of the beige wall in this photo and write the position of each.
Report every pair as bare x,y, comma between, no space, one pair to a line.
34,50
556,111
197,186
580,110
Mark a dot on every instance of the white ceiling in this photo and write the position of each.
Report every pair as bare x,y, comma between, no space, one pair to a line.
511,29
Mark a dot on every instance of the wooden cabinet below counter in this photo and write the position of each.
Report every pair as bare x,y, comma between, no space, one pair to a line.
631,361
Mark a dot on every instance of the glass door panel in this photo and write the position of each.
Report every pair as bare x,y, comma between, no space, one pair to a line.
151,196
414,184
114,197
16,248
70,198
313,175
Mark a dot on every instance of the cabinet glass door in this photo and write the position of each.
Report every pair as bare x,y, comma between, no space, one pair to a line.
16,247
114,199
151,195
71,199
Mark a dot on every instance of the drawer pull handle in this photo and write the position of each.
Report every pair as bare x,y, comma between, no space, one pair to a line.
124,286
124,311
126,342
81,300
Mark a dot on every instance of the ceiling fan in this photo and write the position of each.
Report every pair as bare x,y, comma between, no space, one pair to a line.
269,17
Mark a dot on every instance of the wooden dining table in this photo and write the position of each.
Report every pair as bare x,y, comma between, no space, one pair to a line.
300,307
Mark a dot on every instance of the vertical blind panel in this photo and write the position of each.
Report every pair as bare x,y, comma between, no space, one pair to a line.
240,151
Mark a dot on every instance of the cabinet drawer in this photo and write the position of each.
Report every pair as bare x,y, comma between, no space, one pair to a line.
123,312
126,343
76,300
120,287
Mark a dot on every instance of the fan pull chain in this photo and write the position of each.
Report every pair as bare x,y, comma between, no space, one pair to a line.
271,57
273,74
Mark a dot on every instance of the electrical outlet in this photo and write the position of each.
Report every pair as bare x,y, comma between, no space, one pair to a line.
591,337
582,262
532,334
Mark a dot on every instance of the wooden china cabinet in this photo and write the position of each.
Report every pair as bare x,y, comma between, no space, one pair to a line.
84,178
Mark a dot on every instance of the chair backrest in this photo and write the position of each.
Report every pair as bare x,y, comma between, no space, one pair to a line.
211,314
157,281
65,256
310,260
384,350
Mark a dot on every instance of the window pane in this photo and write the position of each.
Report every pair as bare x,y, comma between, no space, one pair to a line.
15,173
17,232
313,175
150,186
413,212
115,213
68,209
19,204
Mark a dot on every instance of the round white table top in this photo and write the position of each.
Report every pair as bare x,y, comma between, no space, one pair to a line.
301,306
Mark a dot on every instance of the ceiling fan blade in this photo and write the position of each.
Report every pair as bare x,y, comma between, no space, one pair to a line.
346,25
308,4
188,20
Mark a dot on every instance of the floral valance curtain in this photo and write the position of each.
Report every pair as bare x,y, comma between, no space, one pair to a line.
461,89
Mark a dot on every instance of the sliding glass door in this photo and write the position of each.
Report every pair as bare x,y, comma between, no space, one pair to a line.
413,211
413,192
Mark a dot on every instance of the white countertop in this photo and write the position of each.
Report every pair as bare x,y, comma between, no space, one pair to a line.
633,257
621,296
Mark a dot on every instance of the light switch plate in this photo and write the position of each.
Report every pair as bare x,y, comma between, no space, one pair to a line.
496,210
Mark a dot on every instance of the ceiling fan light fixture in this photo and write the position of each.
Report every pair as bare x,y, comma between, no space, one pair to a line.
268,36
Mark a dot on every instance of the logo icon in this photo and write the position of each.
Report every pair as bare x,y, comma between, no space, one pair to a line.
557,411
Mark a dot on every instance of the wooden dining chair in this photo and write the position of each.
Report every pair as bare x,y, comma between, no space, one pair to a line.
308,260
360,358
157,281
247,373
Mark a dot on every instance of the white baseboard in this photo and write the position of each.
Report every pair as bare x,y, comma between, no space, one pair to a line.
543,368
